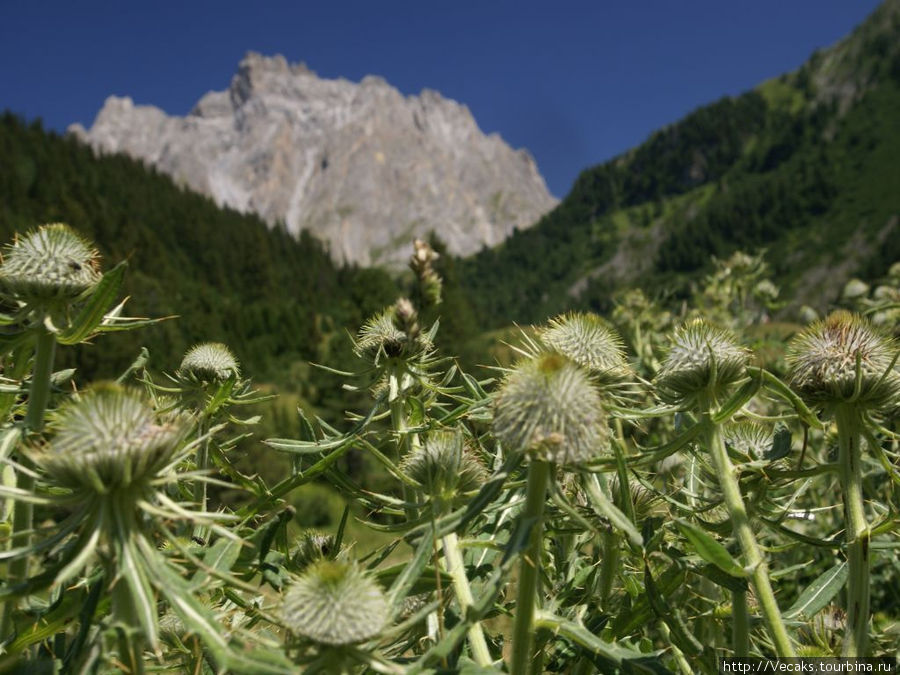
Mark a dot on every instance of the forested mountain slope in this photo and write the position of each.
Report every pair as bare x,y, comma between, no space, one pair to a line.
805,166
275,299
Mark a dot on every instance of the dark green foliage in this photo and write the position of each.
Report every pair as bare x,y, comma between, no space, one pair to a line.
273,298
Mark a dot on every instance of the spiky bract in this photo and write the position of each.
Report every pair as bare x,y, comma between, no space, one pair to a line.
445,467
108,440
702,359
335,603
311,546
548,407
748,439
50,264
392,333
209,362
589,342
844,359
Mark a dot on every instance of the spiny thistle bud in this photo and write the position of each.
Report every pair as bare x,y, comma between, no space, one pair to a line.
421,263
50,264
646,502
335,603
702,359
548,407
209,362
445,467
108,440
843,359
310,547
755,442
392,333
589,342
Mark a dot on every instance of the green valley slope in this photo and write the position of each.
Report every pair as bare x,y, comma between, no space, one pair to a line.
806,166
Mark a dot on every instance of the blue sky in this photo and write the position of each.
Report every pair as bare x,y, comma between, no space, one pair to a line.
574,82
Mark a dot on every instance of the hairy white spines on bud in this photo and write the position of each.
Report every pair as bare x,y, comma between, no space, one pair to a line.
702,359
548,407
445,467
844,359
310,547
109,439
335,603
588,341
209,362
49,265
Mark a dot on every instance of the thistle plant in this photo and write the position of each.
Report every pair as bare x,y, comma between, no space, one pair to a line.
108,462
207,375
548,408
48,269
589,341
402,358
448,473
843,365
700,368
43,274
208,363
208,386
51,278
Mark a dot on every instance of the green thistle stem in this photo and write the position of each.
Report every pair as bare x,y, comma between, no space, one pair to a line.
38,396
740,627
457,570
856,530
530,566
130,643
756,563
200,487
609,566
611,540
406,443
118,513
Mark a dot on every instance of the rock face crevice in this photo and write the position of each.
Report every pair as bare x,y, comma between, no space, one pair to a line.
359,165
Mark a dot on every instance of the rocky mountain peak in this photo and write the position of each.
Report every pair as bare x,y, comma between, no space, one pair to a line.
358,164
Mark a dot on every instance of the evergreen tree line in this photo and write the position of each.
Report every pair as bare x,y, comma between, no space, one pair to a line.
273,298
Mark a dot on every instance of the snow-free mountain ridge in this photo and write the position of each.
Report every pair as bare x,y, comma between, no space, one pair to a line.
359,165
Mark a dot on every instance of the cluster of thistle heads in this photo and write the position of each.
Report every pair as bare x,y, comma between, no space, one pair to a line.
112,453
551,403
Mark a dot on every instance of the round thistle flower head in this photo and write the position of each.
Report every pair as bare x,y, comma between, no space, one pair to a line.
209,362
702,359
589,342
48,265
445,467
335,603
548,407
843,359
109,439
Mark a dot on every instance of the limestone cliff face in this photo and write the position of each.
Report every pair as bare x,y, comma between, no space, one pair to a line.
359,165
